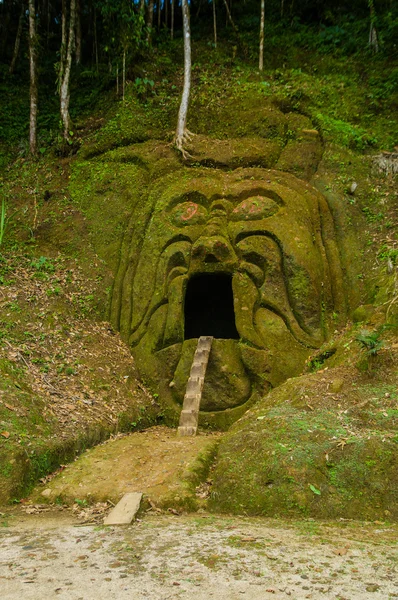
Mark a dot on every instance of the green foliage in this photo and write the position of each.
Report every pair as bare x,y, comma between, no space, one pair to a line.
82,503
314,490
345,133
370,340
123,26
43,264
387,253
143,86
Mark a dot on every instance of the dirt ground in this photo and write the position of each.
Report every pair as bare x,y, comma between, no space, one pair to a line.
154,461
201,556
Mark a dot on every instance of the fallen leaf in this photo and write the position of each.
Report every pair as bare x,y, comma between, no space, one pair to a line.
314,489
173,511
5,434
340,551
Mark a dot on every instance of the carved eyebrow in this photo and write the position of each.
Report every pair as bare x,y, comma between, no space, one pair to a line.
175,239
242,235
263,192
193,196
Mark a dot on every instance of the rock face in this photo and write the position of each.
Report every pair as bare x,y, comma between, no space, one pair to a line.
235,244
248,257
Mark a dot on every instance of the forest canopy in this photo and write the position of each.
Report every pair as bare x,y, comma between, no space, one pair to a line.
85,47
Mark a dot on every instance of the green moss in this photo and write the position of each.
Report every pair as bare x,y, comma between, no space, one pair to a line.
296,455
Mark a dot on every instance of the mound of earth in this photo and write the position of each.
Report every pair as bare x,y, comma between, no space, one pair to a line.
156,462
322,445
67,381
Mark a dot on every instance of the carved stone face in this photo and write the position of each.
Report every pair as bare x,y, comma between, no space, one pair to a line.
248,257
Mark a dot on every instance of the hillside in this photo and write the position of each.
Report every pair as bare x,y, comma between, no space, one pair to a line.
67,376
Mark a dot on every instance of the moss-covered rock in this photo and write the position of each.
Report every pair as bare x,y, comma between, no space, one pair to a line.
314,448
267,235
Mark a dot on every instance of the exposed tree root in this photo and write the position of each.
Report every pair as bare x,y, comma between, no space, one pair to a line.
181,140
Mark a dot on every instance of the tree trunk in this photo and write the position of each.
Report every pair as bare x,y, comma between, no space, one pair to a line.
172,20
124,73
261,57
229,16
78,49
159,14
215,23
48,23
166,13
198,11
64,40
373,41
282,8
149,20
181,133
33,79
17,39
65,82
95,40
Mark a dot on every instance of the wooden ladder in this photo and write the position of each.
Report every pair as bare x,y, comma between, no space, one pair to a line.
193,395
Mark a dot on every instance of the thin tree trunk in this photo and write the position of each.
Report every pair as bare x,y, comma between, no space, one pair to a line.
373,41
181,133
124,73
261,57
159,14
48,23
166,13
117,80
95,40
230,17
64,40
78,49
198,11
149,20
142,15
215,23
33,79
65,83
17,39
172,20
282,8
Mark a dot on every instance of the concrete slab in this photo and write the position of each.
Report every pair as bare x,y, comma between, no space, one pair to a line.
125,510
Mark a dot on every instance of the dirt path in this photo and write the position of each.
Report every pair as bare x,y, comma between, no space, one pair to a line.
201,556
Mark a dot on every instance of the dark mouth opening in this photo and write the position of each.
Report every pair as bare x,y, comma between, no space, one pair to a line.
209,307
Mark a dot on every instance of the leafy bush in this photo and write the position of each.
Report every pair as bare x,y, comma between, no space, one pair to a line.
370,340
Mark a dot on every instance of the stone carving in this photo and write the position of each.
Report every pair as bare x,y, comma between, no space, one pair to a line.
256,246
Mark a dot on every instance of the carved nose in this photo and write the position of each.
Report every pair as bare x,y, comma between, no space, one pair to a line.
214,249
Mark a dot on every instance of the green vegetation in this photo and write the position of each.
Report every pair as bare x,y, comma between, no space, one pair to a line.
371,341
317,445
306,456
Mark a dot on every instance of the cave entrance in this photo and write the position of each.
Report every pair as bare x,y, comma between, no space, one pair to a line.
209,307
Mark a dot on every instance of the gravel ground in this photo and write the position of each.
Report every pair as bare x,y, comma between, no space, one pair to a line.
167,557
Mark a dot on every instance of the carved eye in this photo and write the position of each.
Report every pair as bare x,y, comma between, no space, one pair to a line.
188,213
254,208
